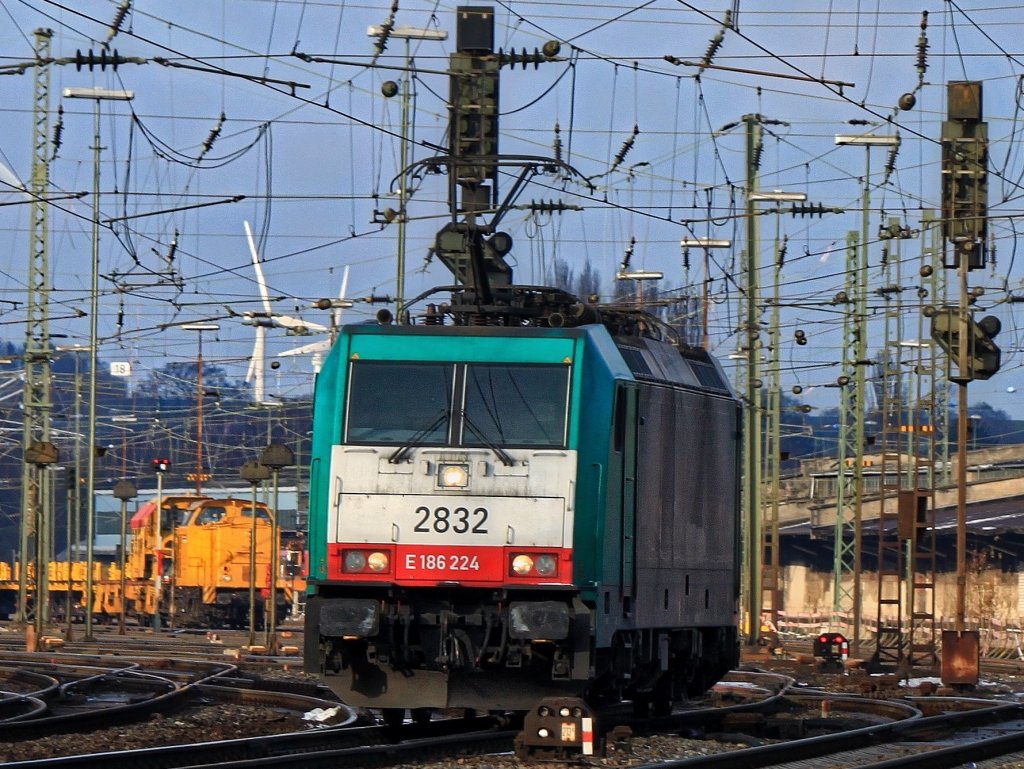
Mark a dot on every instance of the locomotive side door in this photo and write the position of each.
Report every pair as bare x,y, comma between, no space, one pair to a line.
625,442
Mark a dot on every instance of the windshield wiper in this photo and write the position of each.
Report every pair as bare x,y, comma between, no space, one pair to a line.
402,451
503,455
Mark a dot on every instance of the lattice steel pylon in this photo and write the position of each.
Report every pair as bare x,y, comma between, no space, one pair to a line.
894,440
907,545
771,571
929,418
36,393
850,471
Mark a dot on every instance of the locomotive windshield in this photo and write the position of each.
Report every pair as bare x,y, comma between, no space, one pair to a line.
399,402
515,405
474,404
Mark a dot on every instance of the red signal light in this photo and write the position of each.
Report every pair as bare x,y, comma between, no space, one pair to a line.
823,639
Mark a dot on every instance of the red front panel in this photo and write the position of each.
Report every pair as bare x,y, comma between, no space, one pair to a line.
423,565
433,563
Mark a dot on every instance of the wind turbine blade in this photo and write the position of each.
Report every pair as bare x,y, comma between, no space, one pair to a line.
255,372
10,179
288,322
307,349
341,295
259,270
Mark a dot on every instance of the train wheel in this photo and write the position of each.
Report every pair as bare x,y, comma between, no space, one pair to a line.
393,717
641,706
661,697
422,715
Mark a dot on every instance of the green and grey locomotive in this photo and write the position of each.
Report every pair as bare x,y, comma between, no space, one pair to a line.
498,514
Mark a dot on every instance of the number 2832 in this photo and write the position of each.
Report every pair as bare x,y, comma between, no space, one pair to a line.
458,520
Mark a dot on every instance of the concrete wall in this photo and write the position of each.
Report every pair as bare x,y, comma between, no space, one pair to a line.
994,598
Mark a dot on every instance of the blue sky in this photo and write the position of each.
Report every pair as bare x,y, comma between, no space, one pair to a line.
315,163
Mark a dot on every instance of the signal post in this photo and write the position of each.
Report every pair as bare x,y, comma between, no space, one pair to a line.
969,344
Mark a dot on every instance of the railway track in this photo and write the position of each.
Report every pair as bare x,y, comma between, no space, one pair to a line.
334,747
945,739
885,734
54,694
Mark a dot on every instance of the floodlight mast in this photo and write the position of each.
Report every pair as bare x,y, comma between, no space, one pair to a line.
846,558
97,95
405,33
771,566
706,244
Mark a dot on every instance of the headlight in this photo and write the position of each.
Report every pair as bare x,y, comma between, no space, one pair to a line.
545,565
355,561
366,561
522,565
377,562
453,476
535,565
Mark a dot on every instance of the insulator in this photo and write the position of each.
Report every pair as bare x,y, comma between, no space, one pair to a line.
558,143
686,258
381,44
713,45
626,147
173,249
90,60
208,144
628,255
890,162
433,317
758,152
548,207
811,209
525,58
115,27
58,131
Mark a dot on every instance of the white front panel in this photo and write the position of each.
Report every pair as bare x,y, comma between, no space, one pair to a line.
435,519
523,504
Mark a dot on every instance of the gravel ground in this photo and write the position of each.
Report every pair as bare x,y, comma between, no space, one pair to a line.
630,752
225,722
200,724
